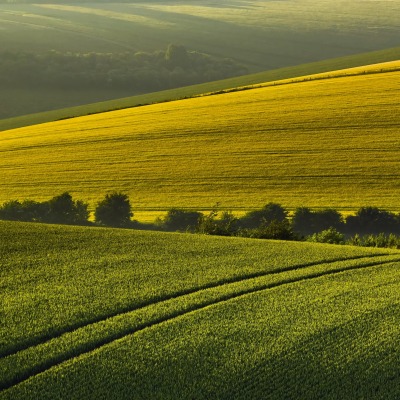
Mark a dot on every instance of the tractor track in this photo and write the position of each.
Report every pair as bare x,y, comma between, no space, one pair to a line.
86,348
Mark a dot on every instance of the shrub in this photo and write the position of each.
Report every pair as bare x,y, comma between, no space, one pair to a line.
380,240
330,235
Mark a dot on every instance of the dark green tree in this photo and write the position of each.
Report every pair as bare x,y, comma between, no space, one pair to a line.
12,211
180,220
114,210
270,212
278,230
303,221
306,222
63,209
177,56
372,220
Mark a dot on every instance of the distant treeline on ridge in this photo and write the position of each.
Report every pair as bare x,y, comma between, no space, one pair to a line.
369,226
138,71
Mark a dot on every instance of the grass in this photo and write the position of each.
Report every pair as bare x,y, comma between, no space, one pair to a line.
107,313
325,142
358,60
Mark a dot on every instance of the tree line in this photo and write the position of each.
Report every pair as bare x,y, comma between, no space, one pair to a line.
369,226
136,71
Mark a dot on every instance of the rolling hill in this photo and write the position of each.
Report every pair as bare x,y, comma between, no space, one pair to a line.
327,140
260,35
105,313
357,60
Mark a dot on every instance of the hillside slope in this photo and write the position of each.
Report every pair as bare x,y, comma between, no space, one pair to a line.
357,60
103,313
331,141
261,35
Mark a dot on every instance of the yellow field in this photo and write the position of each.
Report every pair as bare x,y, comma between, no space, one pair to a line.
319,143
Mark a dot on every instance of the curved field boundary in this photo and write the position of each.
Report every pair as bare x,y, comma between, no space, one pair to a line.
23,365
155,300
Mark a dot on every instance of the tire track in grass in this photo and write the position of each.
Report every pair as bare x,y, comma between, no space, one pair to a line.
155,300
24,365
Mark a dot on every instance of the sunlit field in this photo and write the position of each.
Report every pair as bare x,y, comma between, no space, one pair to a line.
321,143
106,313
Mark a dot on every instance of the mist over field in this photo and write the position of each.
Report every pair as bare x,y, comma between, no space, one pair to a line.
58,54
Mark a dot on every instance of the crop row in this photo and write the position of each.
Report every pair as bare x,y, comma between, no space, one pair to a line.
334,336
57,278
35,359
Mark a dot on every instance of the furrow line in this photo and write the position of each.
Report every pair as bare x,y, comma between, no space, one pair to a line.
156,300
186,308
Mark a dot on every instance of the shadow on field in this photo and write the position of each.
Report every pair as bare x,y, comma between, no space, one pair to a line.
356,360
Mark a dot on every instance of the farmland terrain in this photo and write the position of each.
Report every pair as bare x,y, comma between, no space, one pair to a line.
108,313
255,34
194,90
328,140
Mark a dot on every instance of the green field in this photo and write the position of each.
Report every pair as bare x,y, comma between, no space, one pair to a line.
104,313
261,35
321,141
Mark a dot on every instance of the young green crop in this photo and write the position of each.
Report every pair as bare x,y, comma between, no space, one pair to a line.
67,277
68,291
240,326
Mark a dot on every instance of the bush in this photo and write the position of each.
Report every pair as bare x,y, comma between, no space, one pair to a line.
330,235
380,240
278,230
114,210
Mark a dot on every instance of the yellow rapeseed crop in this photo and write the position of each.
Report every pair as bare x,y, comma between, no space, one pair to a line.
330,141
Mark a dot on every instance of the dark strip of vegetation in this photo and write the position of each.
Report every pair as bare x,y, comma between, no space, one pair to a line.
369,226
137,71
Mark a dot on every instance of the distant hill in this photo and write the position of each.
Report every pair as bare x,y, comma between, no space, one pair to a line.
253,36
